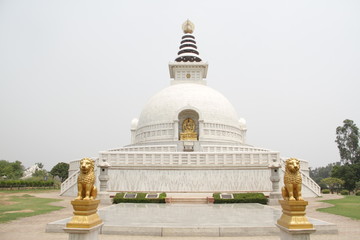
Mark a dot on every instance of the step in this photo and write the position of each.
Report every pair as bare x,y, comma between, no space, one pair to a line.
189,200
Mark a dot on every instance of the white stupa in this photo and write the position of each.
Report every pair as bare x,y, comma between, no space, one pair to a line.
189,139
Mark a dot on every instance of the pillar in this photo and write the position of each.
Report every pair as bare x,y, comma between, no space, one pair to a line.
104,196
275,195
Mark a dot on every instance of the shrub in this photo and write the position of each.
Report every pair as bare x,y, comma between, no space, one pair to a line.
325,191
357,193
344,192
25,183
242,198
140,198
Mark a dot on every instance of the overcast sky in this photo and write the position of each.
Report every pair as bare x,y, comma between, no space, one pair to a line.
73,74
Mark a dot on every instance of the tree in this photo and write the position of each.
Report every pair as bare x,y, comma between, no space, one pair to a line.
357,186
61,170
347,139
333,183
40,173
11,170
40,165
349,173
319,173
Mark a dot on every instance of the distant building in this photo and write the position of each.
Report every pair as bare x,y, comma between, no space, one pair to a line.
189,138
30,171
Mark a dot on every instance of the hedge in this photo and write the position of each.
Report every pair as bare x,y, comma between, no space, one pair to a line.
344,192
140,198
325,191
25,183
242,198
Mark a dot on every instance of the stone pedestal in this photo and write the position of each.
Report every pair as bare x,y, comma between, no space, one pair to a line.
294,234
293,223
85,214
274,198
104,198
293,216
84,233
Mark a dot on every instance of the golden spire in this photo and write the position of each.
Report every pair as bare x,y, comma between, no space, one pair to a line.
188,27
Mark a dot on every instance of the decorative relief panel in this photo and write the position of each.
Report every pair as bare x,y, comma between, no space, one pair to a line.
190,181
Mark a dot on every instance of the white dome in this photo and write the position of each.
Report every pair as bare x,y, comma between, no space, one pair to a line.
163,109
211,105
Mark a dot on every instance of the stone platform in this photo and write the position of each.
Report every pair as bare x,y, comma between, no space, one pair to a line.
211,220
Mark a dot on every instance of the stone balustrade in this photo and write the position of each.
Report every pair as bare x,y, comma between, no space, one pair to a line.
151,148
246,159
69,182
212,148
307,181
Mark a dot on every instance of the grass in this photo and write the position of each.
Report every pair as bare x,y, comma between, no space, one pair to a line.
349,206
14,207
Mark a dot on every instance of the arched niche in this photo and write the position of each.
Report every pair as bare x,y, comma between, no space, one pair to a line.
192,117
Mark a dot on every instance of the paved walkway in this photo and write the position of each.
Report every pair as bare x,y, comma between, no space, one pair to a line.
32,228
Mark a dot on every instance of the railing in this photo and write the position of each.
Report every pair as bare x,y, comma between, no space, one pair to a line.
310,183
152,148
189,159
69,182
210,148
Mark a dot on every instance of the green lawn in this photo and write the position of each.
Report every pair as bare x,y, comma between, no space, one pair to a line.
13,207
349,206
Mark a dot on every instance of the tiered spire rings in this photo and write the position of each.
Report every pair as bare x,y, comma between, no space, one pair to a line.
188,50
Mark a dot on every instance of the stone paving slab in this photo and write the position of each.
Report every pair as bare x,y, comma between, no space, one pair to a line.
33,228
192,220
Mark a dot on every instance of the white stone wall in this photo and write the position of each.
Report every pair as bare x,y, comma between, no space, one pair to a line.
201,180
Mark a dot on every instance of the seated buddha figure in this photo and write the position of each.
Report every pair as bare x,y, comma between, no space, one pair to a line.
188,130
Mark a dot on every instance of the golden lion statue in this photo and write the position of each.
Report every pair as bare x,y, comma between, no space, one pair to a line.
86,180
292,180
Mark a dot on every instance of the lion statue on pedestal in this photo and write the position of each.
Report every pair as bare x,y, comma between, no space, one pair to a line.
292,180
86,180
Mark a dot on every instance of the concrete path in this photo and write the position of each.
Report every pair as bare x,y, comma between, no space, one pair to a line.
33,228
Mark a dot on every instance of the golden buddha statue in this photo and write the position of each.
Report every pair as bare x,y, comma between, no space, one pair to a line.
188,130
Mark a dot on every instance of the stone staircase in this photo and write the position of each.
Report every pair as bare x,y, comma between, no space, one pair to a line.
68,184
189,198
193,200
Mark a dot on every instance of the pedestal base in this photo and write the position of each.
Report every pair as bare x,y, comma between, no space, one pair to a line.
274,198
84,233
104,198
293,216
294,234
85,214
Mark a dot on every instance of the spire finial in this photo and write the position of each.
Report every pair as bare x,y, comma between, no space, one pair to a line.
188,27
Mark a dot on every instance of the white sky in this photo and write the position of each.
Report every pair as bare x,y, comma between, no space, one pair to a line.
73,74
